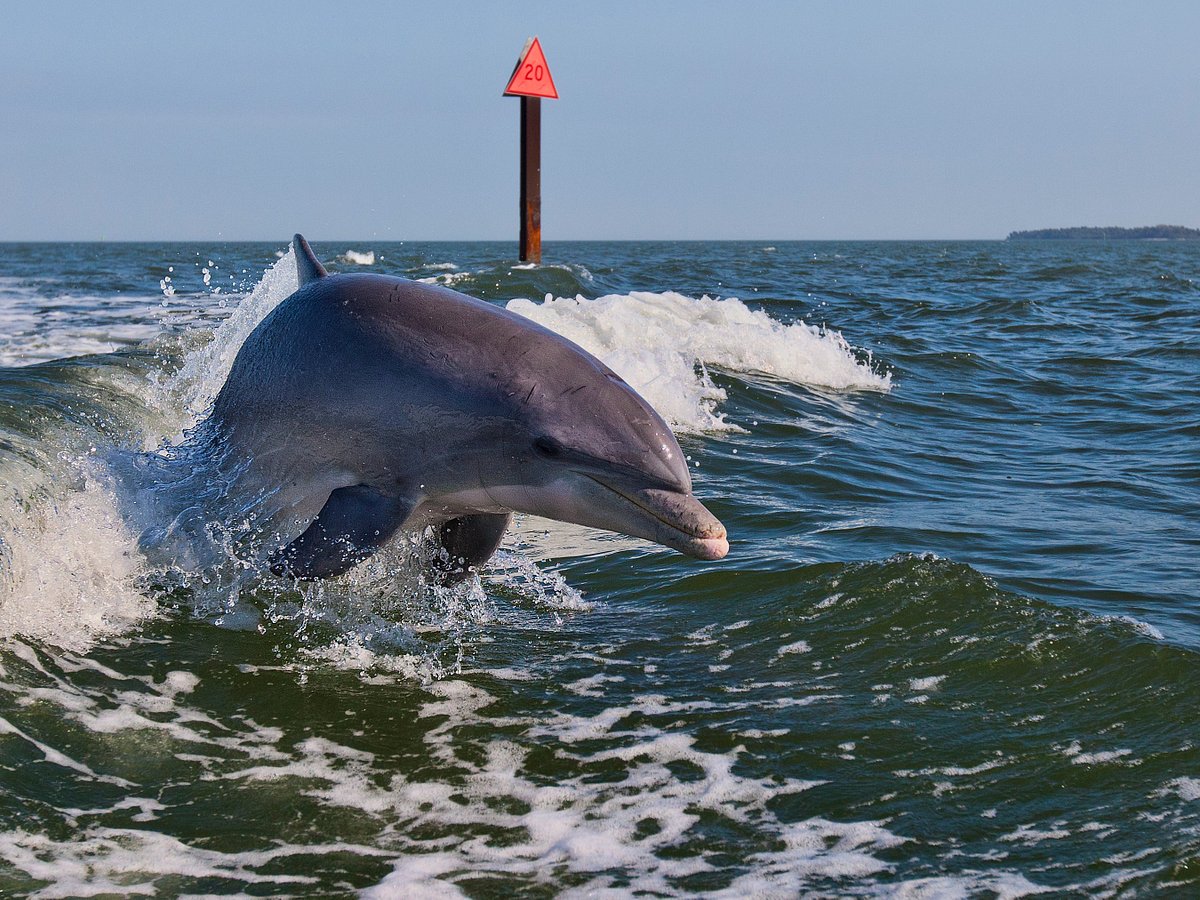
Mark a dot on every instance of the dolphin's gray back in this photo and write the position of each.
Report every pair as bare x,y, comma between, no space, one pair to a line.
412,330
429,352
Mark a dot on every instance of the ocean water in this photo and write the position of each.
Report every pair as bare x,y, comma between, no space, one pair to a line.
954,650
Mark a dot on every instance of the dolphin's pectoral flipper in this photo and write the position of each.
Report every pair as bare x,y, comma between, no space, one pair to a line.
354,523
308,267
469,542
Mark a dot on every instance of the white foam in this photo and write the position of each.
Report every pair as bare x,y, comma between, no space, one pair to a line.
73,567
617,833
929,683
1074,752
594,827
592,685
447,278
956,771
358,257
125,861
528,583
662,343
179,682
482,804
417,878
1028,834
1100,757
1001,885
815,848
1143,628
573,268
1185,787
387,620
57,757
795,647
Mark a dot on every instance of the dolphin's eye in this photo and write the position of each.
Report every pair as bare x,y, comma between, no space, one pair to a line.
548,446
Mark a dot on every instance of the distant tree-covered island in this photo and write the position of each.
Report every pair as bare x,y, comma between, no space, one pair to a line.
1149,233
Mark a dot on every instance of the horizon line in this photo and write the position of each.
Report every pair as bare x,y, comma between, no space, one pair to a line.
671,240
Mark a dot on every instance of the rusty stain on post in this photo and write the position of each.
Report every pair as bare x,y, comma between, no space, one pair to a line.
531,179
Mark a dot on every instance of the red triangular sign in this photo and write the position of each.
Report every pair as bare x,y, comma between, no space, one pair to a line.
531,77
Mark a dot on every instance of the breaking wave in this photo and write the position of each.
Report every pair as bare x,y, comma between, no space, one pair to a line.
664,344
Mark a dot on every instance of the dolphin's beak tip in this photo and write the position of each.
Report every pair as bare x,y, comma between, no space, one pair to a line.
719,551
710,541
713,548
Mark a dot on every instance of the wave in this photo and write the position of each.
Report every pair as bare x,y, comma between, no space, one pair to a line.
41,320
663,344
762,756
358,257
70,569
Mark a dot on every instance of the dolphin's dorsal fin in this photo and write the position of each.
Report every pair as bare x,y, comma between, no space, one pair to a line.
308,267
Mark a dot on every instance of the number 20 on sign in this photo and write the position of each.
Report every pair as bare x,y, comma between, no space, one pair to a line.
531,77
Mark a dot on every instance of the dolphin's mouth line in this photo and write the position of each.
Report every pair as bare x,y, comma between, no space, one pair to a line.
647,509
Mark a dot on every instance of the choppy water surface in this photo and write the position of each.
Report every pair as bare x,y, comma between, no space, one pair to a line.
953,650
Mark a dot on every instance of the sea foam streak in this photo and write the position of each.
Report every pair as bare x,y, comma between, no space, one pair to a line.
498,814
661,344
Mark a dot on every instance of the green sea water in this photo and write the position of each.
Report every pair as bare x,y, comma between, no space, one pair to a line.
952,651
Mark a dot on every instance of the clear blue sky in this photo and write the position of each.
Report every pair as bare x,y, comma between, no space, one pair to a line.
248,120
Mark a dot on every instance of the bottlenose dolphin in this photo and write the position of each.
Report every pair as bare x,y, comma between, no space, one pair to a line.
365,405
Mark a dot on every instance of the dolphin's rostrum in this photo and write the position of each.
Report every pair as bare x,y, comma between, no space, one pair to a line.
370,404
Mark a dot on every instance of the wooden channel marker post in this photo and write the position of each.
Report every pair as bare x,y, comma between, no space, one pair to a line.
531,82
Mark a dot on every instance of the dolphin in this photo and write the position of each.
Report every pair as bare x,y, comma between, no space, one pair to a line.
367,405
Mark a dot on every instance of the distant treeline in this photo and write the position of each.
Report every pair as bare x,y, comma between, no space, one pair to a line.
1150,233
